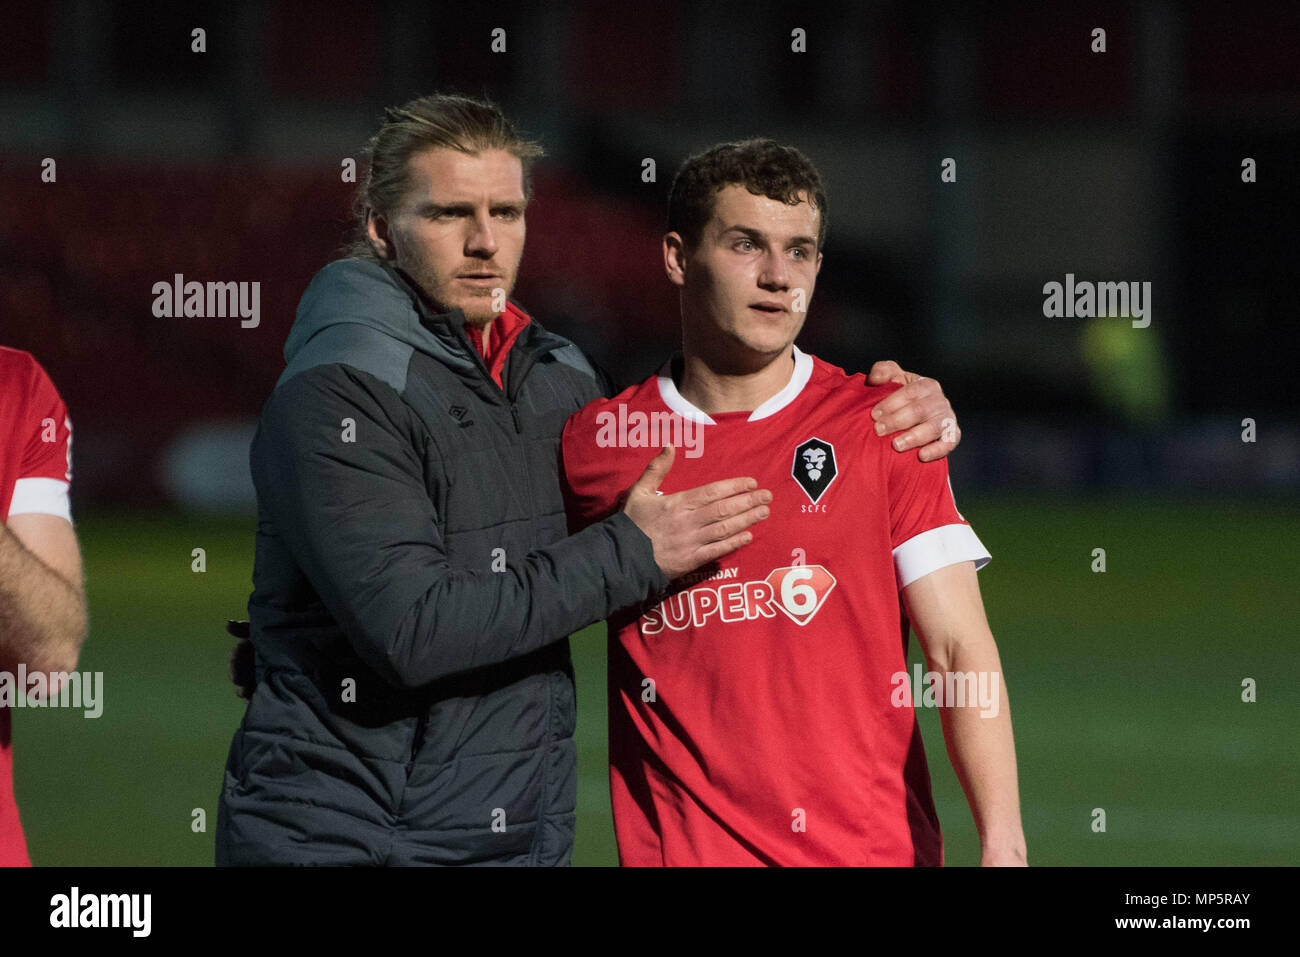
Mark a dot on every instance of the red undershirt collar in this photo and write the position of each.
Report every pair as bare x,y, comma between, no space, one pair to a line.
505,330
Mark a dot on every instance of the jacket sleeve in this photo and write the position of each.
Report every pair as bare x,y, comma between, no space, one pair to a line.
357,518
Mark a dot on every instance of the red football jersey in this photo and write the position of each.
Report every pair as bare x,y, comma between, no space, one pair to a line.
750,711
35,472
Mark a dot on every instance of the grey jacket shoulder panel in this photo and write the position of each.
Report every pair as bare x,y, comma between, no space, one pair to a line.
356,345
575,358
362,314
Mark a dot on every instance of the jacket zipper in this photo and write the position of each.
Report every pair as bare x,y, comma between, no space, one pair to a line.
417,739
517,382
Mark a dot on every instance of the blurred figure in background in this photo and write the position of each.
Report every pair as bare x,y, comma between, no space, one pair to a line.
42,593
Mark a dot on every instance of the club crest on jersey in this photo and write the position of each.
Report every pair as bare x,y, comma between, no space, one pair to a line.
814,467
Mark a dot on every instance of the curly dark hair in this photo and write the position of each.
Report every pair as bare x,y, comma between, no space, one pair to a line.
762,166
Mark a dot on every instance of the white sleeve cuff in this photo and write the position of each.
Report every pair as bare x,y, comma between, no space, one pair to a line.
46,495
938,548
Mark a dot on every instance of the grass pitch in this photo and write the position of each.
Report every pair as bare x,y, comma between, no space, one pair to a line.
1125,689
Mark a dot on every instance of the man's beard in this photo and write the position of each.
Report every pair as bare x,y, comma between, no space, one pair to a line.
477,308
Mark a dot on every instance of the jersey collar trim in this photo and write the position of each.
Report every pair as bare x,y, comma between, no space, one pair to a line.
803,369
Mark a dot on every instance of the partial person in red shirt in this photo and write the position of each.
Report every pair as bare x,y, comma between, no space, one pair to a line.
763,712
42,593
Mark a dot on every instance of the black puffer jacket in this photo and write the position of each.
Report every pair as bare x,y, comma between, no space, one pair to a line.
413,592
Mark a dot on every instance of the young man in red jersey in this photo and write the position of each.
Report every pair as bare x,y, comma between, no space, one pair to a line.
762,713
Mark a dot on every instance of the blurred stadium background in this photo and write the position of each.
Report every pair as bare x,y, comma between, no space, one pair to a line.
1120,166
